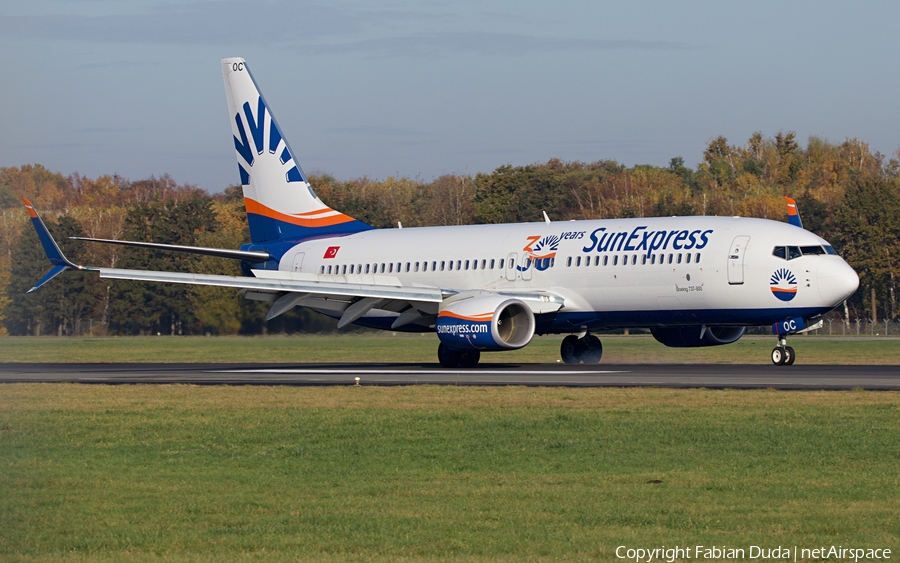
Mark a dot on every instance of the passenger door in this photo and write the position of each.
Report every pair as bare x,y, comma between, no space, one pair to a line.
298,261
736,260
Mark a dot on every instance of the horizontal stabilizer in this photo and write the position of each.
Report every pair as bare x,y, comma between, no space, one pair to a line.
246,255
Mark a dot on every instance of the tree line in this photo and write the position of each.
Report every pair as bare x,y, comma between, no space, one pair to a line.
846,193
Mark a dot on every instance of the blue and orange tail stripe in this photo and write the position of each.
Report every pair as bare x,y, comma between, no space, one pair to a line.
267,224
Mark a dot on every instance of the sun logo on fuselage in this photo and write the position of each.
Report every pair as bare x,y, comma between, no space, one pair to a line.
540,251
253,144
783,284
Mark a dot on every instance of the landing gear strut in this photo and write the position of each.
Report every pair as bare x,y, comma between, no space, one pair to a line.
587,349
452,358
782,354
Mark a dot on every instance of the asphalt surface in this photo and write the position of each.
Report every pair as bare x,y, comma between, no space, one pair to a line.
551,375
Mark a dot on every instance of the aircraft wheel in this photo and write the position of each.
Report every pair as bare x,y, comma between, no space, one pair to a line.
778,356
571,350
593,351
470,358
452,358
448,357
789,356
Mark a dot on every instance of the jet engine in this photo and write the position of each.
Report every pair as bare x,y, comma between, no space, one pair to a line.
489,322
695,336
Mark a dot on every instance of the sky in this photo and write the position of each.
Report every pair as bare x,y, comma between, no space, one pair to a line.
419,88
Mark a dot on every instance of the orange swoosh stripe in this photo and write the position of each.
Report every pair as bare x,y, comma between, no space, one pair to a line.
483,317
779,290
29,208
260,209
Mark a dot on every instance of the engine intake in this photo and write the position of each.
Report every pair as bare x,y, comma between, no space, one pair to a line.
696,336
491,322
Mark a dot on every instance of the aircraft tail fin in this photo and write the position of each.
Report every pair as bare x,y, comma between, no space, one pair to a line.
281,205
51,249
793,213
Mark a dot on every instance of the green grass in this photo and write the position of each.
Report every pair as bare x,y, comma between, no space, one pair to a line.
182,473
384,347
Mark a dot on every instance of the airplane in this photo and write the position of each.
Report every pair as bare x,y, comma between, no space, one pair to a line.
692,281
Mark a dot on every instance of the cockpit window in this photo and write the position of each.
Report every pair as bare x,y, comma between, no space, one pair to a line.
807,250
793,252
779,252
830,250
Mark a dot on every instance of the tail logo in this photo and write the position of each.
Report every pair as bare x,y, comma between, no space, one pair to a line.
783,284
252,145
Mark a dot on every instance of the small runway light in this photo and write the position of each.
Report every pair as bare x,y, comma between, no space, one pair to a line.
357,382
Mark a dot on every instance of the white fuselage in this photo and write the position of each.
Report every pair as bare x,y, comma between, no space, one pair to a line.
624,272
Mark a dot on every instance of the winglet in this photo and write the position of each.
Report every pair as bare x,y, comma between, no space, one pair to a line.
793,213
51,249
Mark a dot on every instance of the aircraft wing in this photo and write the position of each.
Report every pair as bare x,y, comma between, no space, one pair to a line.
352,296
248,255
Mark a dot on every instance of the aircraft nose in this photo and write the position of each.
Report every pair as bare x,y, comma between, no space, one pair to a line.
837,280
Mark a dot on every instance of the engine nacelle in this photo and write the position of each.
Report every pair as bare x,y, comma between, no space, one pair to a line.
695,336
490,322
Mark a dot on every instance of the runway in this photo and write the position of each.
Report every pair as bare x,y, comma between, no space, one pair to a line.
717,376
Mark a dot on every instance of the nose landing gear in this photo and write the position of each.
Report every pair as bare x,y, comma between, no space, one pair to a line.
587,349
782,354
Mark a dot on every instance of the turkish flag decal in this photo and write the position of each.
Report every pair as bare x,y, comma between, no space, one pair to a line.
331,252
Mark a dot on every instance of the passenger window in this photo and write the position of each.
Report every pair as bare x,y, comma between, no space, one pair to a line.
793,252
382,267
697,258
511,263
679,258
653,259
483,264
442,265
391,268
569,262
459,264
643,259
615,260
322,270
633,259
450,265
670,258
779,252
606,260
812,250
578,261
434,265
687,258
492,263
344,270
367,268
329,269
624,260
416,267
407,266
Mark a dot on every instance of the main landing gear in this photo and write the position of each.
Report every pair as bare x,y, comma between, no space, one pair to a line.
452,358
587,349
782,354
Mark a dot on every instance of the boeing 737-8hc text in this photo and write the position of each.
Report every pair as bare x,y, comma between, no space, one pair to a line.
693,281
